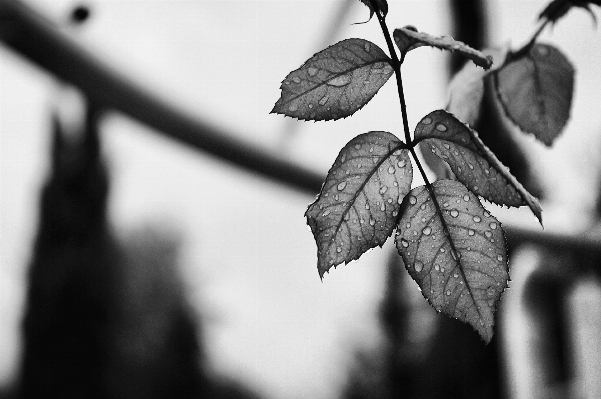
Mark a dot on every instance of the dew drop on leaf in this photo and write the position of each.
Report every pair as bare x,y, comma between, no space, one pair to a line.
341,186
477,219
454,213
339,81
419,265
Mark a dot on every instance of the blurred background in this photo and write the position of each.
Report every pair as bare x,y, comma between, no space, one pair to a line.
244,259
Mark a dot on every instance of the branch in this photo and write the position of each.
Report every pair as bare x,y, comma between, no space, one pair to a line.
36,38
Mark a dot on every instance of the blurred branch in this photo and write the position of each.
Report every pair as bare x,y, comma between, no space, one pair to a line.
36,38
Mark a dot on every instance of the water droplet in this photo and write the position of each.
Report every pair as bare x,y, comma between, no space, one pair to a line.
383,189
404,243
371,149
422,207
475,188
427,121
336,197
441,128
470,166
471,232
312,71
455,275
412,200
427,230
448,292
326,213
383,207
418,266
372,221
357,146
493,225
367,206
395,183
401,164
408,225
487,214
442,249
310,106
389,200
477,219
324,100
454,213
391,169
338,249
343,157
339,81
395,213
500,258
296,79
293,107
367,46
341,186
448,147
466,197
488,233
437,268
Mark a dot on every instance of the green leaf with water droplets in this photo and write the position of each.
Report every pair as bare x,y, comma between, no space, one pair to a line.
535,90
408,38
382,6
334,83
360,200
472,162
457,256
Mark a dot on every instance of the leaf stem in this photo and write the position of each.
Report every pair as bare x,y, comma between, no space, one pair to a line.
396,65
531,42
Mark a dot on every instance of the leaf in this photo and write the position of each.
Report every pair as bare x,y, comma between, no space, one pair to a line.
558,8
535,90
466,88
360,199
461,264
334,83
408,38
472,162
382,6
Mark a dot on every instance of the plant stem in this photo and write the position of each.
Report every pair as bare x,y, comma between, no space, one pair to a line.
531,42
396,65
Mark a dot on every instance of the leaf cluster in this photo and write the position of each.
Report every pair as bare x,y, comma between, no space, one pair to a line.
451,245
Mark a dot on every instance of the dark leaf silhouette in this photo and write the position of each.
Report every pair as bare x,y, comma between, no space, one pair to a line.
535,90
558,8
360,199
472,162
335,82
408,38
382,5
459,261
